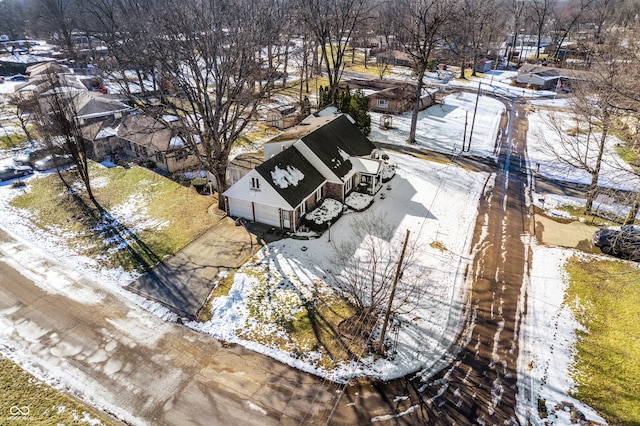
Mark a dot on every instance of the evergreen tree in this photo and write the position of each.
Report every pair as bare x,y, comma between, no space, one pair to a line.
324,97
344,101
305,107
359,110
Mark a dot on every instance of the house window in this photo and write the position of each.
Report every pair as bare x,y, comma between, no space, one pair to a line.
303,209
255,183
318,194
181,154
347,186
383,103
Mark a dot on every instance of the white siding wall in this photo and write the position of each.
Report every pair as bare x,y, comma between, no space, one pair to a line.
266,201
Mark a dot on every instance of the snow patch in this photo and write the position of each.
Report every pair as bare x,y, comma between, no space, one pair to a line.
283,178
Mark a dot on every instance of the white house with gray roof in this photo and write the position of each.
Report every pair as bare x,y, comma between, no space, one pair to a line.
322,157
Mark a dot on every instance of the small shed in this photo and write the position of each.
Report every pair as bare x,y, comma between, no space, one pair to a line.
484,65
283,117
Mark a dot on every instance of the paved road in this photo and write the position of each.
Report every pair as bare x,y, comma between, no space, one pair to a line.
121,359
480,385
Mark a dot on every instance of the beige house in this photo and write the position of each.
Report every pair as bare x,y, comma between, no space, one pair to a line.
158,143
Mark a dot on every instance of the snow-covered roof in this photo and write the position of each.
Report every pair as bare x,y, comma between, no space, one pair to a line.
366,165
107,132
24,59
287,176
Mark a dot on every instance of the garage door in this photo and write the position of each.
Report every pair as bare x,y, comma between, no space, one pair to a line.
240,208
268,215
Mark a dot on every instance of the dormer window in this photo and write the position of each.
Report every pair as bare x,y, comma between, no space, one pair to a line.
255,183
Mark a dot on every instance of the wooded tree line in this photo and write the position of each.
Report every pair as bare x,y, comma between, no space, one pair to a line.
214,62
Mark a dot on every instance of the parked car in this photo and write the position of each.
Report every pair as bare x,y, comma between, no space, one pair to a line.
19,77
12,172
50,161
619,241
29,157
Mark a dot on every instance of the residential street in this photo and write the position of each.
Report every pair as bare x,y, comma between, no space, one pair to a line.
146,371
480,386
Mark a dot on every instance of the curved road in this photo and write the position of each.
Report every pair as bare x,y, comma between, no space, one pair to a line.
480,386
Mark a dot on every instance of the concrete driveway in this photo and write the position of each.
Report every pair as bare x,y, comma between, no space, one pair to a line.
184,282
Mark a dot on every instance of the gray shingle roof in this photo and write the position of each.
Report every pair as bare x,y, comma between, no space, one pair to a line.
291,175
334,142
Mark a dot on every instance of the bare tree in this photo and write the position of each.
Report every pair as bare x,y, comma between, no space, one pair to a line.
211,63
539,13
58,127
25,107
516,9
332,23
583,147
565,19
58,19
477,24
422,23
13,21
366,263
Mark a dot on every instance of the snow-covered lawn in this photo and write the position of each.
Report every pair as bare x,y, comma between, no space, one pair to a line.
441,127
615,173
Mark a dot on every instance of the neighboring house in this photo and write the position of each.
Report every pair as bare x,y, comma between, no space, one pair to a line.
18,64
160,143
40,85
548,78
101,138
394,57
93,107
46,68
325,156
241,165
389,96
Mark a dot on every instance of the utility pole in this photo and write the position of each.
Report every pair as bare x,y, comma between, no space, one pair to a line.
393,293
473,121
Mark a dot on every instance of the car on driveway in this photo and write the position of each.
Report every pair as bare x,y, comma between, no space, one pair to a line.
29,157
12,172
621,241
50,161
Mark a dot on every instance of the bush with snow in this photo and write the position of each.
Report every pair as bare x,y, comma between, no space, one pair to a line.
358,201
329,211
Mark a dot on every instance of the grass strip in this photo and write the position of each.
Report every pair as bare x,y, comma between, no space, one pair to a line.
24,400
605,298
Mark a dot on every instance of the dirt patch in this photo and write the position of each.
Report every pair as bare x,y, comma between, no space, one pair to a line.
574,234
